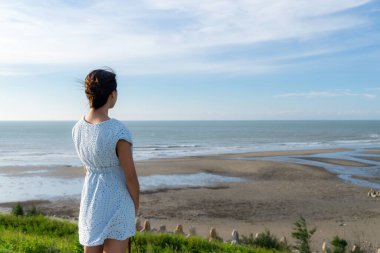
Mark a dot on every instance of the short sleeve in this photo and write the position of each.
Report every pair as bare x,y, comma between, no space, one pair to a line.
124,134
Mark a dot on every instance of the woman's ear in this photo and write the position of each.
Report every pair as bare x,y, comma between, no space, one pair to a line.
114,97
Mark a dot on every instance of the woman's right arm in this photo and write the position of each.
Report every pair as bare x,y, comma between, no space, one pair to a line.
124,152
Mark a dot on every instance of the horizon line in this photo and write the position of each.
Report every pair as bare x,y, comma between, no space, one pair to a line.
66,120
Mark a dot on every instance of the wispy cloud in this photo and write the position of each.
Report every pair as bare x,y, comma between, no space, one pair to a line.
331,93
375,89
175,35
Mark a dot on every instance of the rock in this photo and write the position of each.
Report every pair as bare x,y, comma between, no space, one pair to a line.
179,230
146,227
235,237
283,242
213,235
192,231
369,192
138,224
325,246
372,193
162,229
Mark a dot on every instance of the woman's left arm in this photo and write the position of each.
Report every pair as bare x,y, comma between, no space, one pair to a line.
124,152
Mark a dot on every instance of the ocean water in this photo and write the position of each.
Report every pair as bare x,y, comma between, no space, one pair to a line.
50,143
18,188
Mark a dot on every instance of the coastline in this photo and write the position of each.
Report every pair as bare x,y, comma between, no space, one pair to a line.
278,193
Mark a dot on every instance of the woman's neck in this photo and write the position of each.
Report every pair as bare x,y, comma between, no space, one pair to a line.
101,113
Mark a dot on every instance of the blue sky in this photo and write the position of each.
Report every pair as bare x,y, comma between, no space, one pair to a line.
193,60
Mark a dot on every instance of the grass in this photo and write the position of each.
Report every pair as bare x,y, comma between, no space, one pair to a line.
151,242
39,234
36,233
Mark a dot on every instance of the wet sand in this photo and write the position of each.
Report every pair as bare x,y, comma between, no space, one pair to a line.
282,153
63,171
370,158
275,198
341,162
377,152
370,179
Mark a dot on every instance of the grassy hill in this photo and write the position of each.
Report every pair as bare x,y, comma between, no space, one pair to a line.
38,234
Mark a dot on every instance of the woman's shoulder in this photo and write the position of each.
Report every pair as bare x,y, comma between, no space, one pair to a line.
78,122
123,131
120,124
76,126
112,124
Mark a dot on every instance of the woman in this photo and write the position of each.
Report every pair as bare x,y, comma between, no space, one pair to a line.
110,193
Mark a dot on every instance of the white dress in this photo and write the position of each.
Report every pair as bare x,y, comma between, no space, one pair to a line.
106,207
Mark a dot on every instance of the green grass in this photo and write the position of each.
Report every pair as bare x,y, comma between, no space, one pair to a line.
151,242
39,234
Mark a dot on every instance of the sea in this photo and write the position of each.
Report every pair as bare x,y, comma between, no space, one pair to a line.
50,142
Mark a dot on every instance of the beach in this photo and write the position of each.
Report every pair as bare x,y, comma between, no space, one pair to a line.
273,196
245,116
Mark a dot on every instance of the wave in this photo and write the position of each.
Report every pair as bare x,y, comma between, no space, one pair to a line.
169,146
359,141
154,151
315,143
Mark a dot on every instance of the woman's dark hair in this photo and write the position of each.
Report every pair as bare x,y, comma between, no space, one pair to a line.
98,85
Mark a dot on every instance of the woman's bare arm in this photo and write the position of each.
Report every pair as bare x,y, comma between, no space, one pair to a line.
124,152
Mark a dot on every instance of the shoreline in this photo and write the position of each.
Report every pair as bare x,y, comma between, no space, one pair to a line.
278,194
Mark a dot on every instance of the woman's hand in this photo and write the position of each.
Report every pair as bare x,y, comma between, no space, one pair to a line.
124,152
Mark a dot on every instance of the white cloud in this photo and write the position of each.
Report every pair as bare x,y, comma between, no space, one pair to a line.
177,34
375,89
333,93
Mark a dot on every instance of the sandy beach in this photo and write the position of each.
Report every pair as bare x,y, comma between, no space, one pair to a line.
274,198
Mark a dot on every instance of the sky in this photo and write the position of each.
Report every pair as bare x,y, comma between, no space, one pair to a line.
193,59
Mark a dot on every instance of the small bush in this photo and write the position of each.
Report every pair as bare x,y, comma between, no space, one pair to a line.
302,235
263,240
33,211
18,210
358,250
267,240
339,245
247,240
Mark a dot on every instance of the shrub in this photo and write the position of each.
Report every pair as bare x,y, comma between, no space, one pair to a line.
358,250
247,240
267,240
33,211
339,245
18,210
264,240
302,235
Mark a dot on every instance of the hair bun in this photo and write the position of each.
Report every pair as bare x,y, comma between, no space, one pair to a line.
99,84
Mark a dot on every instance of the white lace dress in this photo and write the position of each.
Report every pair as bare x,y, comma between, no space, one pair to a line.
106,207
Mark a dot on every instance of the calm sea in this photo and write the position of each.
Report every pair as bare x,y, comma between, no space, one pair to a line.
50,143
